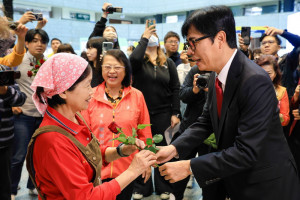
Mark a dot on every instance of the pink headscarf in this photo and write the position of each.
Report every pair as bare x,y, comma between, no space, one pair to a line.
57,75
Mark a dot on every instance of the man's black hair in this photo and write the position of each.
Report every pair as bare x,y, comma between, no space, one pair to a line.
56,39
32,32
211,20
278,40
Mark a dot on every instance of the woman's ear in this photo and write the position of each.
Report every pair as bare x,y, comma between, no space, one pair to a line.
63,95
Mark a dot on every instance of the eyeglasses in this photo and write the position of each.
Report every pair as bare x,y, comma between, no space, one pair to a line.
116,68
268,41
191,43
172,42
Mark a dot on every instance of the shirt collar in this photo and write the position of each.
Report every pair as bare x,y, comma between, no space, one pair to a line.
63,122
222,76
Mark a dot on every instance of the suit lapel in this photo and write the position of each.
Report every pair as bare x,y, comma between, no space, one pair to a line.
231,85
213,105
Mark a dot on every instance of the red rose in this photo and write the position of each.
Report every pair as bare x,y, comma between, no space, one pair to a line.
113,128
36,66
31,64
42,61
29,73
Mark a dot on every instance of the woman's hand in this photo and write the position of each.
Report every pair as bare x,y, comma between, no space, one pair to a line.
129,149
149,30
147,174
27,17
296,94
296,114
174,120
105,5
142,161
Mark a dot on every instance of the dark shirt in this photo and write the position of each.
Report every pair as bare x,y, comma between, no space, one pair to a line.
159,84
99,28
176,58
195,102
13,97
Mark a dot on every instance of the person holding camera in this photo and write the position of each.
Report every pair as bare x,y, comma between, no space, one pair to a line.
107,32
27,118
10,95
156,77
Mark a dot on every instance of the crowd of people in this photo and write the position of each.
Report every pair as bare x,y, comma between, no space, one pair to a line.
238,135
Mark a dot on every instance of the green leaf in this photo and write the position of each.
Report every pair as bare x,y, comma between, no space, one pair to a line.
134,132
142,126
152,149
120,130
149,141
157,138
211,141
131,140
122,135
123,139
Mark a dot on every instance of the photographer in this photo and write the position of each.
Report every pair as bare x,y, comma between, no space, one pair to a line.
107,32
15,58
9,96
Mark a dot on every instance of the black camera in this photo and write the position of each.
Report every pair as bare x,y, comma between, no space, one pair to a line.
13,25
110,9
8,77
202,81
38,16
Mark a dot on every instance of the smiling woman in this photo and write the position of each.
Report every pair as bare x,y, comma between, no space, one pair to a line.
64,157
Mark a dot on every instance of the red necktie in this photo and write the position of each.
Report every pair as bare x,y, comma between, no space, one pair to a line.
219,93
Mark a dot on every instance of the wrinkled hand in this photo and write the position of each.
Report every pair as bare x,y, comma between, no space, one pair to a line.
174,120
41,23
242,44
129,149
149,30
146,174
175,171
296,114
142,161
27,17
272,31
165,153
16,110
21,31
184,57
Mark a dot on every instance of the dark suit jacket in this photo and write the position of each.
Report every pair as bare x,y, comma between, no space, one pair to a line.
254,160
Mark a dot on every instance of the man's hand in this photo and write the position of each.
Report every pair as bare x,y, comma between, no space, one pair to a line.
196,90
184,57
296,94
175,171
296,114
3,90
21,31
242,44
166,153
174,120
27,17
273,31
41,23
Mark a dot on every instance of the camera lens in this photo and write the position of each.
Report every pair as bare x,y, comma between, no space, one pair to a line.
201,81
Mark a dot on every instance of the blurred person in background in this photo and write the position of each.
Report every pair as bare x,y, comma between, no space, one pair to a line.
115,102
55,43
65,48
130,50
171,43
64,157
270,65
107,32
27,118
156,77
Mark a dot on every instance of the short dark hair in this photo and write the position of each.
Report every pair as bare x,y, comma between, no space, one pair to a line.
56,99
65,48
32,32
211,20
171,34
121,57
271,60
278,40
96,42
56,39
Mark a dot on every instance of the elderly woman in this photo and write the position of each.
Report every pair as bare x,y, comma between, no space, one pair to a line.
270,65
64,153
115,101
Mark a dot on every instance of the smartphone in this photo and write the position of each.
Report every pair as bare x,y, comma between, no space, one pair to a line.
38,16
8,77
107,46
151,22
245,33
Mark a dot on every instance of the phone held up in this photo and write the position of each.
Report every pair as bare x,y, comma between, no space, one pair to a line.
151,22
245,33
107,46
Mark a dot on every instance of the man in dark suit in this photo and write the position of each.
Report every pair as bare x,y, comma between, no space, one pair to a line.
253,159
